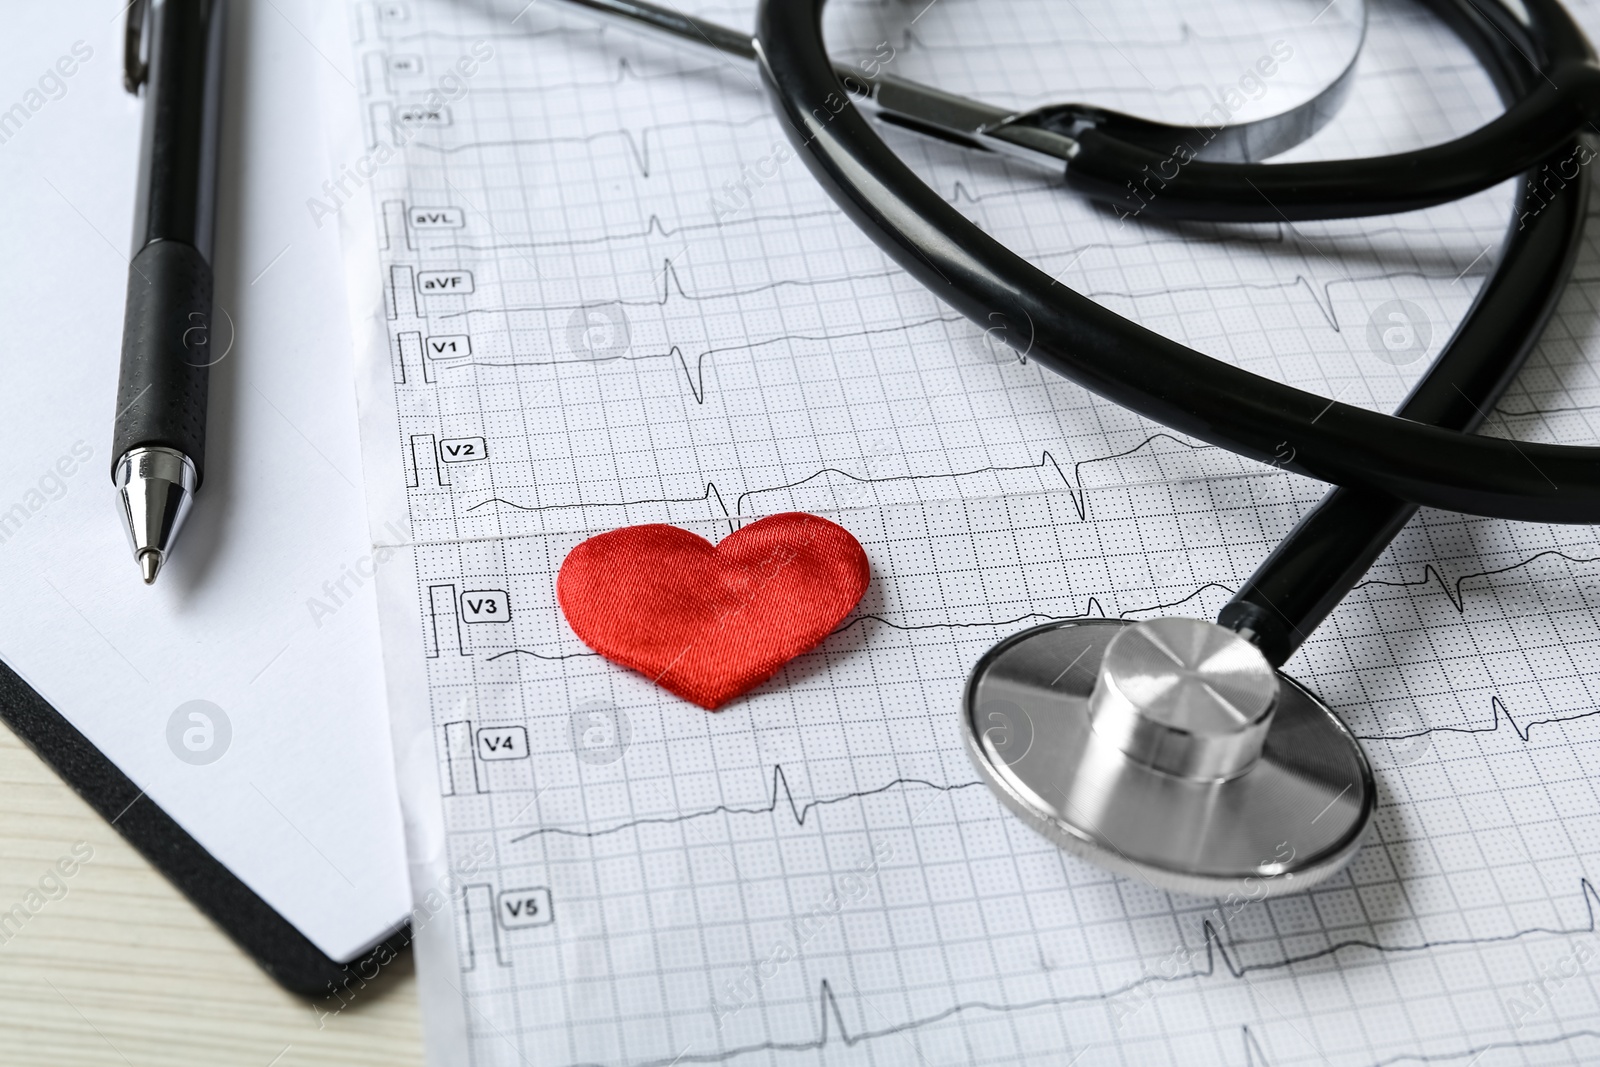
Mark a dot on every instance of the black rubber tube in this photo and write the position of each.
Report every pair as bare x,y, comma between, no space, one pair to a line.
1331,548
1121,360
1115,173
1159,181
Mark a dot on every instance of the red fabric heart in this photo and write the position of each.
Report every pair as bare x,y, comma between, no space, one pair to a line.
709,623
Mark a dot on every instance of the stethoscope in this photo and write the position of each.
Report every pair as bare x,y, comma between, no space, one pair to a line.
1173,749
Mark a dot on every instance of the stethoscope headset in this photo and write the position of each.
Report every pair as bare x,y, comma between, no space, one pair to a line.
1174,749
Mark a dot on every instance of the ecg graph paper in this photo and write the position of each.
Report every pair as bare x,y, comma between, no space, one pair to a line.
612,296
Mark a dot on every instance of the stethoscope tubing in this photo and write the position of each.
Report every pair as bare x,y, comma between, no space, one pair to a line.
1330,550
1135,367
1134,178
1112,172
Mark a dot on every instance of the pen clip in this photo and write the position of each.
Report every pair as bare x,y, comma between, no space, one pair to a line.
135,70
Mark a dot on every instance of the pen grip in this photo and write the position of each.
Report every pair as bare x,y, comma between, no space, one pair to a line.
166,353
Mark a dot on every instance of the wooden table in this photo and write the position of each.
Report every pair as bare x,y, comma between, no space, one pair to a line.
121,970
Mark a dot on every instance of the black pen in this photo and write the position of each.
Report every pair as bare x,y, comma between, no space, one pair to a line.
175,50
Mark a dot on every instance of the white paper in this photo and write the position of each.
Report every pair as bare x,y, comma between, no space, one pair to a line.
301,803
815,874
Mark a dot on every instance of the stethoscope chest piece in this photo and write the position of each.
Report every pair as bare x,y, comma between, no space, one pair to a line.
1169,750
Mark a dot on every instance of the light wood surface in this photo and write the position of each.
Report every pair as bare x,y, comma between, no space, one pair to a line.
121,970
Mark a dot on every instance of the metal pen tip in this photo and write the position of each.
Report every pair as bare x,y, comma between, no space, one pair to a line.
156,486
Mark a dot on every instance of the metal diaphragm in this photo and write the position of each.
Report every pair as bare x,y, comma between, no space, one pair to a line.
1169,750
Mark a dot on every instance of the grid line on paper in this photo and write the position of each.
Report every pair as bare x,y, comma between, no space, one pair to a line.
777,360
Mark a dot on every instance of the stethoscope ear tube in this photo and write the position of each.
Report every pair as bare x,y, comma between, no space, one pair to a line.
1124,362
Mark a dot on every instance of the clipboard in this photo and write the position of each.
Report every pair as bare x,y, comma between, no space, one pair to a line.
266,936
294,845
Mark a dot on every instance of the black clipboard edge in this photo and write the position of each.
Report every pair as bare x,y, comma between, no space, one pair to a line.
266,936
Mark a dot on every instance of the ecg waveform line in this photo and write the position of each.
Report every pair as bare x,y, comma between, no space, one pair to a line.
554,657
830,1017
780,790
1254,1054
638,145
672,282
695,378
654,226
1094,608
1279,236
627,71
1320,294
1499,711
1047,461
1477,1052
1186,35
959,192
1454,594
1323,301
672,287
1535,412
1256,236
520,36
911,40
711,493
